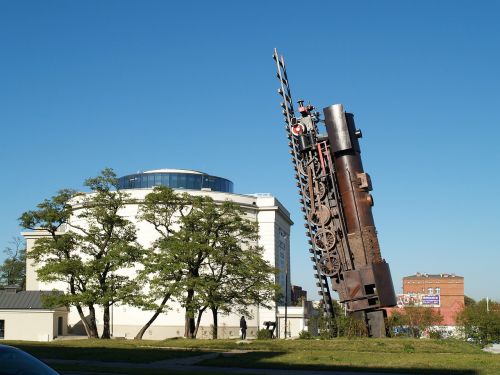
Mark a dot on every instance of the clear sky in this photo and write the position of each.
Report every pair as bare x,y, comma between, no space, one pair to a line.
138,85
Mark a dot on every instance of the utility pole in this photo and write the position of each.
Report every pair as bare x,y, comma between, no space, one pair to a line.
286,300
285,237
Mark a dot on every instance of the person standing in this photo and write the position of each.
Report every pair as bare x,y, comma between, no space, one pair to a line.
243,327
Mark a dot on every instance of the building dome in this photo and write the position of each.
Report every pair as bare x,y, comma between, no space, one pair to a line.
175,179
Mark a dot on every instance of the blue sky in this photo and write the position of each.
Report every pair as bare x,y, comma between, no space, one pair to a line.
138,85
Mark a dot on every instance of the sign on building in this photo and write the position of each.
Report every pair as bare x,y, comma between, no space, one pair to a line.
414,299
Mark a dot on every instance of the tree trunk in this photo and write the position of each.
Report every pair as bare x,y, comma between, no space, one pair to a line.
198,320
92,324
106,333
215,325
83,319
158,311
189,324
86,324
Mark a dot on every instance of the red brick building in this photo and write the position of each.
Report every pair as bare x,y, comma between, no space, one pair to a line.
442,292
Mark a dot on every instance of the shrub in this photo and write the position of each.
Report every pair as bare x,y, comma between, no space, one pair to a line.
479,323
435,334
263,334
408,348
305,335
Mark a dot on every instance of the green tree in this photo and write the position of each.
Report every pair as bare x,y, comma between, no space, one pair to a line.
234,276
162,268
88,245
481,323
13,269
468,301
415,319
204,257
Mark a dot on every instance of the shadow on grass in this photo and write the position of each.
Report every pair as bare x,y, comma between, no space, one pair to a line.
263,360
121,354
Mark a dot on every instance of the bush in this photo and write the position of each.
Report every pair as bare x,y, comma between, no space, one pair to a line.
263,334
305,335
479,325
435,334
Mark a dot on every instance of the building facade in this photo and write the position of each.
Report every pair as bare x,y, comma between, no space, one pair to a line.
23,316
442,292
274,236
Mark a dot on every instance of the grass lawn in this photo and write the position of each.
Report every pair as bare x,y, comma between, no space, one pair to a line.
385,355
104,350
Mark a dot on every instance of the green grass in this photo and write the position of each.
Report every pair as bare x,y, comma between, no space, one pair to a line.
104,350
384,355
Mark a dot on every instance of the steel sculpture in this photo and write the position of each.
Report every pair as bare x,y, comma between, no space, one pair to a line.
336,202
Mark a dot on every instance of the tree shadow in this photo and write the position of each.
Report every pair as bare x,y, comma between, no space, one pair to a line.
132,353
259,360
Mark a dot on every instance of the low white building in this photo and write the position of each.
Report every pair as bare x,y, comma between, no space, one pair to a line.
292,320
23,316
274,236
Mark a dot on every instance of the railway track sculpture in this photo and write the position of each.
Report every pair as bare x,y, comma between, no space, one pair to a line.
336,202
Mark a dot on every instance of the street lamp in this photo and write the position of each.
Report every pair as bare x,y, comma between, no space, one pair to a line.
285,238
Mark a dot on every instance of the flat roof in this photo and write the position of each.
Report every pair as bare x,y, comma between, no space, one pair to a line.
433,276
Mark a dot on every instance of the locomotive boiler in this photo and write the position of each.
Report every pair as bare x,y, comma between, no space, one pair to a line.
337,205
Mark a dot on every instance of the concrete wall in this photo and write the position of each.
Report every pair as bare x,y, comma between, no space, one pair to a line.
32,325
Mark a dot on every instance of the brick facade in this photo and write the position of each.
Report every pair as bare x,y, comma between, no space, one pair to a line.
450,288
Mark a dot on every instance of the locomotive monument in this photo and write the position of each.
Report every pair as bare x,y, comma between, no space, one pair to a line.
336,202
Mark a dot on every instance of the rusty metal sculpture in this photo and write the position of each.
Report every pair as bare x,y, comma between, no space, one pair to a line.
336,201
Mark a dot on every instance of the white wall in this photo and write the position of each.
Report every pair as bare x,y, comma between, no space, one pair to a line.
272,218
32,325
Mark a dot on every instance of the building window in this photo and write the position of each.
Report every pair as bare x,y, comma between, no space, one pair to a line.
2,329
430,291
438,290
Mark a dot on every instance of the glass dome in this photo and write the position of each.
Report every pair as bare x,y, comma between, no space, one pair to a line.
175,179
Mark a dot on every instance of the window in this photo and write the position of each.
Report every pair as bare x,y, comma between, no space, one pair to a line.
430,291
438,290
2,329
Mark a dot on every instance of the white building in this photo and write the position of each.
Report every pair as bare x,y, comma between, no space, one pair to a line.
274,232
23,316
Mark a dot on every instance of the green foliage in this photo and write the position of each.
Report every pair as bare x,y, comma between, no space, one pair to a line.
13,269
413,321
342,325
263,334
435,334
468,301
480,325
408,348
87,242
322,322
305,335
205,257
347,326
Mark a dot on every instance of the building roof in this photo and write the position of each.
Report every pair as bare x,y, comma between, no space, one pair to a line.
419,275
168,170
30,299
175,179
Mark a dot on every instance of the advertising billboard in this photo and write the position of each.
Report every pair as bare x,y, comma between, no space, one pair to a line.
413,299
432,300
